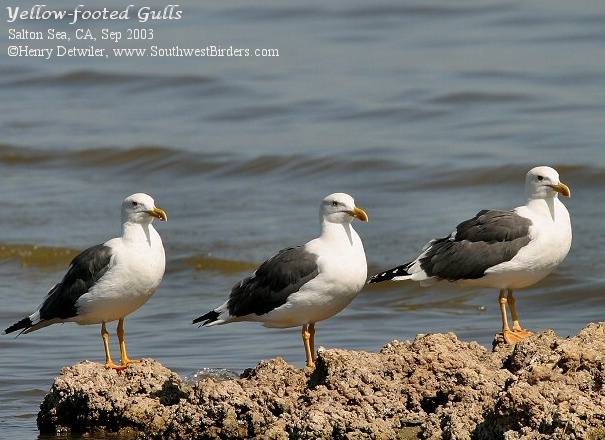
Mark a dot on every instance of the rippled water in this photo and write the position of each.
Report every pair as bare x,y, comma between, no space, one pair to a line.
426,112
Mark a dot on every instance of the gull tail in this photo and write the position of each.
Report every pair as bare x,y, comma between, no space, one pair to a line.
22,325
398,273
31,323
208,318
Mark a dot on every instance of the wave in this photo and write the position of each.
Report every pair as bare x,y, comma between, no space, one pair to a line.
390,164
168,160
211,264
296,12
30,255
55,258
78,78
509,174
150,157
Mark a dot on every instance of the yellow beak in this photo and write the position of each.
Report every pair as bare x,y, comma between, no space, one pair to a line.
158,213
359,213
562,189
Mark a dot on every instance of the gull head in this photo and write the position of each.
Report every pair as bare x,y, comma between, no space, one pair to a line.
140,208
340,208
543,182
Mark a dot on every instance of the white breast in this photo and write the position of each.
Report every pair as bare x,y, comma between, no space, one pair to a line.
136,270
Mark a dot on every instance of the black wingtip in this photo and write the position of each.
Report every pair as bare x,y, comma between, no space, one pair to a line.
22,325
207,318
388,275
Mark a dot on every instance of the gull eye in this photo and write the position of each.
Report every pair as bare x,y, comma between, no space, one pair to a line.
540,178
135,203
335,203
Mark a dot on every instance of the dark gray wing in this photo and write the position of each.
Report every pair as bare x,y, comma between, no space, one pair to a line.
486,240
60,302
272,283
84,271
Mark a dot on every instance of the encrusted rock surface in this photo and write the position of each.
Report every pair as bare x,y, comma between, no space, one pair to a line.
435,387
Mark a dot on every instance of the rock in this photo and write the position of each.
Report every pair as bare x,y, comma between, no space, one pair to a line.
88,396
436,387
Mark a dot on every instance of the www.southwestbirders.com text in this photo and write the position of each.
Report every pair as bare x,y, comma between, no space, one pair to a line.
153,51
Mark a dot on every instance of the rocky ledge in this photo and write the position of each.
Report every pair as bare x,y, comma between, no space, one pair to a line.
436,387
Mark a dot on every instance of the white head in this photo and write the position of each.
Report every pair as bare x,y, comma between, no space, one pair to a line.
543,183
340,208
140,208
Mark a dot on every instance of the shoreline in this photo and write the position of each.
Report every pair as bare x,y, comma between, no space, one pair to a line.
433,387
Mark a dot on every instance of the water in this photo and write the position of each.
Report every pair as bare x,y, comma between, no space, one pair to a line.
426,112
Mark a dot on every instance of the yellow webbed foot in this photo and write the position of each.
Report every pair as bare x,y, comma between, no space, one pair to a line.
114,366
512,337
127,361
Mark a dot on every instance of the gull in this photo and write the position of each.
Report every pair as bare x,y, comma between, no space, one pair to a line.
506,250
108,281
302,285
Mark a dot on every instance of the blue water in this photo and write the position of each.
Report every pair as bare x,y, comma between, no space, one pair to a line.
426,112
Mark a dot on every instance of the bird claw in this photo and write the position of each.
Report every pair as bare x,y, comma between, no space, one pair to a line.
128,361
513,336
114,366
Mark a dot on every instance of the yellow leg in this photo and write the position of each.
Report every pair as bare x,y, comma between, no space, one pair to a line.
124,357
517,329
109,363
517,333
306,337
312,341
503,300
